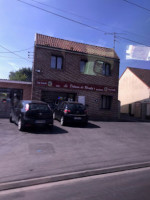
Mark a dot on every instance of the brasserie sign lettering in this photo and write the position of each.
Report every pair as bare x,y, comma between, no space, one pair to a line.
78,86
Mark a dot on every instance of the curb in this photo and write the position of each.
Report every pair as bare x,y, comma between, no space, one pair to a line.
68,176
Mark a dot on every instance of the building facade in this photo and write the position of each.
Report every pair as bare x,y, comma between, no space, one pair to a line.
67,70
10,90
134,92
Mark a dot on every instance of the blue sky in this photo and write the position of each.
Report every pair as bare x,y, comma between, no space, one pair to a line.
19,23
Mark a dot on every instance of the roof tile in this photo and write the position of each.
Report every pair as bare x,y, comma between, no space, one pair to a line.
74,46
143,74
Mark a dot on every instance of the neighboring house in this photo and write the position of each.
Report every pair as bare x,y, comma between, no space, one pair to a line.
134,92
67,70
10,90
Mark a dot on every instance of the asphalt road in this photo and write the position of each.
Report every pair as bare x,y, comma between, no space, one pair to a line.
129,185
38,153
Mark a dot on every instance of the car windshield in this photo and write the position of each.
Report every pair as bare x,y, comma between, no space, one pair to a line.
36,106
73,106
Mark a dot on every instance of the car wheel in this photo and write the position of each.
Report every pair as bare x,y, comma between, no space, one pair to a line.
51,127
54,115
62,121
20,125
85,123
10,119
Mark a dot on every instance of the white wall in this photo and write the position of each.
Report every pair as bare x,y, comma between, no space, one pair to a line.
131,89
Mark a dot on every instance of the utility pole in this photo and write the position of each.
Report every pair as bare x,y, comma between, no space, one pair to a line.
115,37
114,40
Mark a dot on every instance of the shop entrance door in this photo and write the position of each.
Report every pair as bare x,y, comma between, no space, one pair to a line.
53,98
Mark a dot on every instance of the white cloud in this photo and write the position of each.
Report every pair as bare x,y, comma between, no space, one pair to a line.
138,52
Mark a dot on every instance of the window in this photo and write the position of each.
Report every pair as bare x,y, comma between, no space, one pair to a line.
98,67
56,62
106,69
82,65
106,102
35,106
95,68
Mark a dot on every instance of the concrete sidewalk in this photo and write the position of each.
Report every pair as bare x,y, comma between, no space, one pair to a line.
41,153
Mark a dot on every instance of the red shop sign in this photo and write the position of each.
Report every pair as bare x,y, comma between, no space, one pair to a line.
78,86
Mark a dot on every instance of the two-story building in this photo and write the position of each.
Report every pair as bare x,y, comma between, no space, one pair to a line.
67,70
134,92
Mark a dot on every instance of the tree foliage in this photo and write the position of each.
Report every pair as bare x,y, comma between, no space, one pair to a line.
24,74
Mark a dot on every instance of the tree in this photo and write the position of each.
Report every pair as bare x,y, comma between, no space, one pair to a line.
24,74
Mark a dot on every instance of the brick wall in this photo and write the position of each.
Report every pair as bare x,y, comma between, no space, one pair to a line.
71,73
25,87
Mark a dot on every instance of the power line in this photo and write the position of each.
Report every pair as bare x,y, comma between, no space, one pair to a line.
69,19
66,11
115,37
82,23
83,17
137,5
9,57
14,53
17,51
124,38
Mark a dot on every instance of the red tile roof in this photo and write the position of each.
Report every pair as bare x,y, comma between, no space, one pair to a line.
74,46
142,74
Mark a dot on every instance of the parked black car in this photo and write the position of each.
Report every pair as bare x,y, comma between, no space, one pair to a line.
68,112
28,113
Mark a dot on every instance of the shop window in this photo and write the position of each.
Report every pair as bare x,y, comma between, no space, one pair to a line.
106,102
56,62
